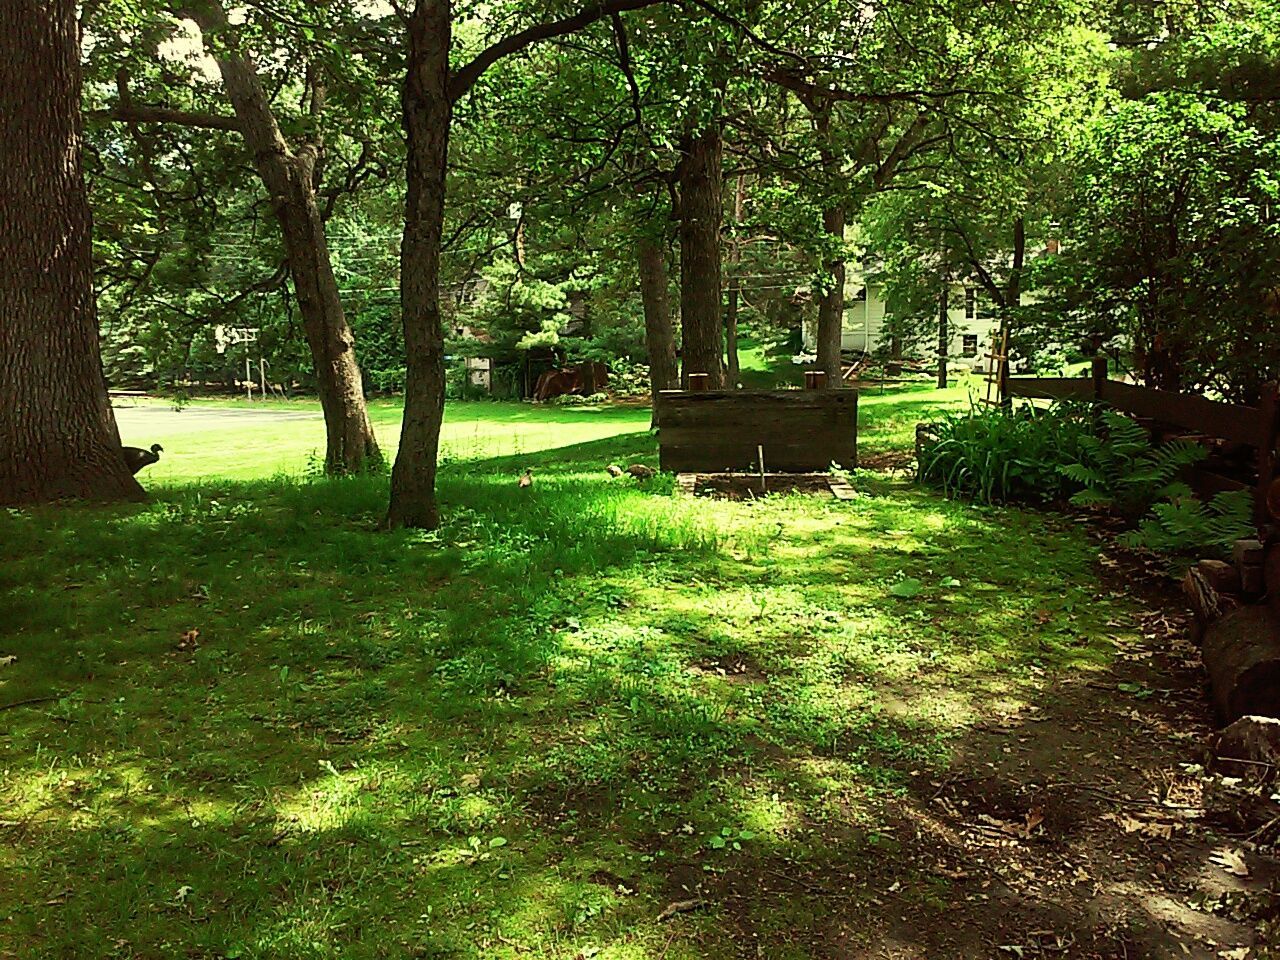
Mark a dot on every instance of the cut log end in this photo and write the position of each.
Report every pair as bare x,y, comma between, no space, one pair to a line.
1241,654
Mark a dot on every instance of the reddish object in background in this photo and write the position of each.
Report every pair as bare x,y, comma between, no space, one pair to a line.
584,379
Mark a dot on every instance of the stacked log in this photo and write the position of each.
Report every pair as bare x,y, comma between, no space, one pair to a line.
1242,657
1237,609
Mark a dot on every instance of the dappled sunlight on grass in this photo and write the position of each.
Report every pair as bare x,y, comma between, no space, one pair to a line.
274,730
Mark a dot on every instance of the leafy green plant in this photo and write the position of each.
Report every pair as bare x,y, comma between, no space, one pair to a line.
1188,525
627,379
995,455
578,400
1121,470
729,838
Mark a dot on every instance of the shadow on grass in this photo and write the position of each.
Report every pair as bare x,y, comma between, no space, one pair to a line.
279,732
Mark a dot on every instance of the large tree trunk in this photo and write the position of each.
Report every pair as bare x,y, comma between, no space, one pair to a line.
701,212
427,116
659,336
58,436
735,285
289,177
831,306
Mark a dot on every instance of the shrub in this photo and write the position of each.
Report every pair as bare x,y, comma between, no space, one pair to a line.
996,455
577,400
627,379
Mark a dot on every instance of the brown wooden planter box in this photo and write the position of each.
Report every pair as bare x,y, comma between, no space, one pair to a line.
722,430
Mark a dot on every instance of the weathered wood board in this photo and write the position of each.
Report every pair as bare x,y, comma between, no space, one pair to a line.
722,430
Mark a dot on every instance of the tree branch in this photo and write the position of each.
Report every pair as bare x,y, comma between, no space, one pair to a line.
142,113
465,77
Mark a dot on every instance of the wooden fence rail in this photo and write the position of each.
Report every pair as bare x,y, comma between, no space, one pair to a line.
1257,427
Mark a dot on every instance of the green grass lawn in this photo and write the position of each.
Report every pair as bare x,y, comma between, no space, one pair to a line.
227,439
261,727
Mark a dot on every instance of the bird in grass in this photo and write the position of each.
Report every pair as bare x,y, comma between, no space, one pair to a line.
526,479
613,470
641,472
136,458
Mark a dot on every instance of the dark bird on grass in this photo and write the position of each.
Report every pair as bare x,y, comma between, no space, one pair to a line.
641,472
526,480
613,470
136,458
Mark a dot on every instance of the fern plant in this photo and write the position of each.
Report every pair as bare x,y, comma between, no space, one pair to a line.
1121,470
1188,525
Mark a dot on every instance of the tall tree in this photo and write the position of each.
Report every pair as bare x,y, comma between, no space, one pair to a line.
291,173
701,213
58,436
659,337
429,93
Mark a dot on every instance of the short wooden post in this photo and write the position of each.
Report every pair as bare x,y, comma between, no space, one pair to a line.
1099,378
815,379
1002,385
1268,448
698,382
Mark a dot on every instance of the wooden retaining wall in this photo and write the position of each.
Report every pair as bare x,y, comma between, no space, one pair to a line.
716,431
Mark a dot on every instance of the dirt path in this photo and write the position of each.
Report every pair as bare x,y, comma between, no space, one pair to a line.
1076,829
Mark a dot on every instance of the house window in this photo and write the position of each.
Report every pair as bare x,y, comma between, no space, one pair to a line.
970,345
970,304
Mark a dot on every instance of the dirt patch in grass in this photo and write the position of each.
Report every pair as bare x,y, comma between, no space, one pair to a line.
888,461
745,486
1074,829
731,668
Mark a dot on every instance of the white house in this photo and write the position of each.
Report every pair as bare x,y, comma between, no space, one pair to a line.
973,321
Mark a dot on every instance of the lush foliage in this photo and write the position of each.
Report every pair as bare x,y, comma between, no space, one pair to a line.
1173,247
998,456
1186,525
1097,458
1119,469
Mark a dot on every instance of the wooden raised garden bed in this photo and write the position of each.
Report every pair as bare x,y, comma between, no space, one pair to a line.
722,431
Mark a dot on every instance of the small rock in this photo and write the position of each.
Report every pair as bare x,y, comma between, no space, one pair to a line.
1254,739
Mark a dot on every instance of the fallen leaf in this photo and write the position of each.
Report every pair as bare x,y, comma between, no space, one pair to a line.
907,589
1035,817
1231,861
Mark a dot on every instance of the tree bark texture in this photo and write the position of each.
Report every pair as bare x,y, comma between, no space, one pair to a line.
428,113
659,335
701,213
735,288
289,177
831,306
58,435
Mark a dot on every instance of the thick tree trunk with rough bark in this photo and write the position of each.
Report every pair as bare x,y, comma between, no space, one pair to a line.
734,292
831,305
289,177
659,336
427,117
58,436
701,213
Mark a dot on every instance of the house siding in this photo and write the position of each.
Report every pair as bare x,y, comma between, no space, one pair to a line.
864,324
